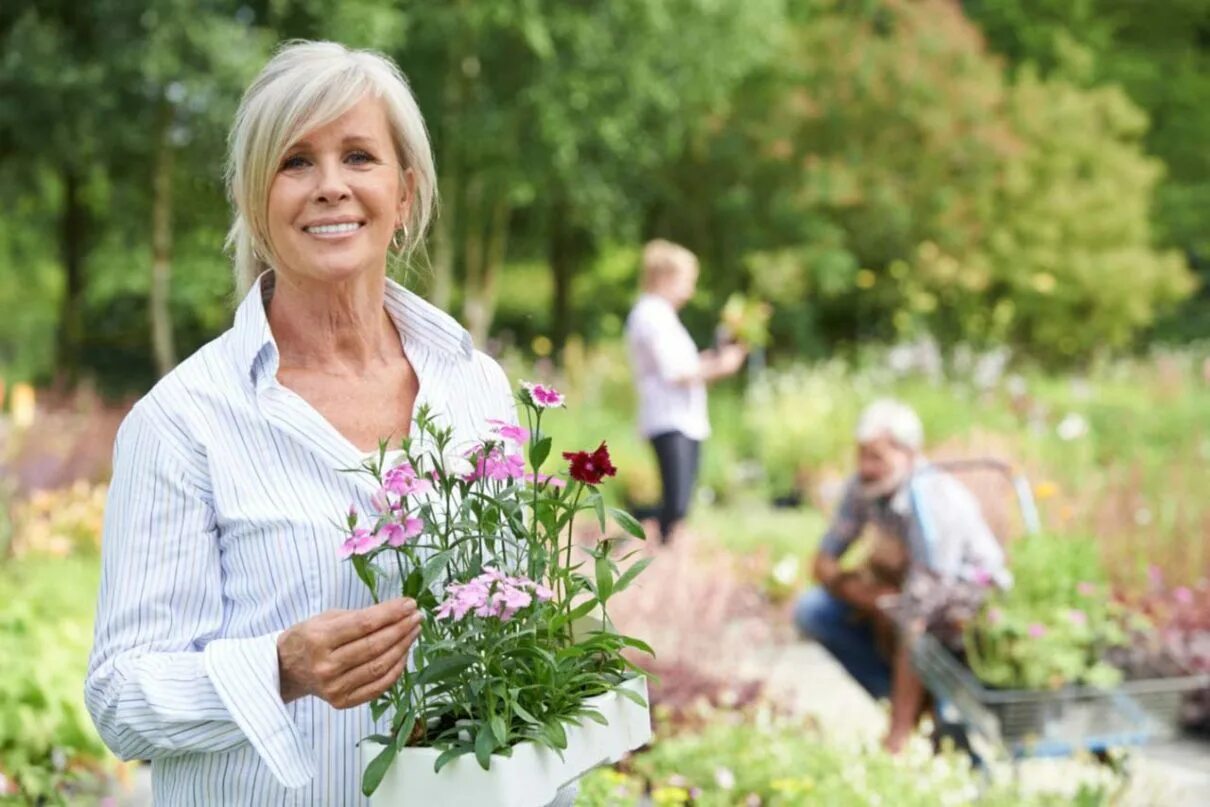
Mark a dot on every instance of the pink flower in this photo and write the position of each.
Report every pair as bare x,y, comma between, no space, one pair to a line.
496,465
403,481
361,542
510,431
994,616
543,397
400,534
1086,589
1037,631
545,479
1077,617
492,594
1183,595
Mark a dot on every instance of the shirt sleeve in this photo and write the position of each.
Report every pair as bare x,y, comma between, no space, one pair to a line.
847,523
162,680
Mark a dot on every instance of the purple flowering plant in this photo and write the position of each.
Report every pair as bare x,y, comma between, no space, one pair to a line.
479,537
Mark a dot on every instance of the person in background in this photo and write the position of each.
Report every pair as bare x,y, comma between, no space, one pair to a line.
928,524
671,375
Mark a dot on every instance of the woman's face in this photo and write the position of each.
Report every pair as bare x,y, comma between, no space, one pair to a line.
680,286
338,198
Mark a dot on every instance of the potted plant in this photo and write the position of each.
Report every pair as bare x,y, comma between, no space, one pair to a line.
508,695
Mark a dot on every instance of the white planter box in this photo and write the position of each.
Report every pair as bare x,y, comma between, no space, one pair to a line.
530,777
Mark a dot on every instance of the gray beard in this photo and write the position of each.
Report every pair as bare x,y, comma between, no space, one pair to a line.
882,489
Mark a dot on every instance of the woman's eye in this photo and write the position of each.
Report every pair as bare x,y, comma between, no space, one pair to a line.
291,163
360,158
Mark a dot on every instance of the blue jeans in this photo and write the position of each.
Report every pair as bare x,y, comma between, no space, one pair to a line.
838,627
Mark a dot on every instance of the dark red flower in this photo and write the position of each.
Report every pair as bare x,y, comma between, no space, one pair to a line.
590,468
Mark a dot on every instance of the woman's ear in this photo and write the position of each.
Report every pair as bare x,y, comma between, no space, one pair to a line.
407,192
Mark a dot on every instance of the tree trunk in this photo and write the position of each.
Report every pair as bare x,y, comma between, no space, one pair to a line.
73,226
161,246
486,247
441,290
472,256
560,254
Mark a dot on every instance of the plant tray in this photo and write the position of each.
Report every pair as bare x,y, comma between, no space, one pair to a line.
1054,722
531,776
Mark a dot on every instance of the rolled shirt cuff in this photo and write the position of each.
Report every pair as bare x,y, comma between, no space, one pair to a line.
245,674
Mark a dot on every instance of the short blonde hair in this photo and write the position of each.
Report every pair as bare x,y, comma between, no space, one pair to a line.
306,85
663,258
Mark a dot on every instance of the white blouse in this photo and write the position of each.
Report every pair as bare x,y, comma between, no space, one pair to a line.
661,351
220,532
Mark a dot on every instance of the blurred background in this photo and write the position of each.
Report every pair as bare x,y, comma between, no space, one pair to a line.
994,209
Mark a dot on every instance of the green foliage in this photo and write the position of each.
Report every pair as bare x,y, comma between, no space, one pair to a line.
777,763
48,745
1054,627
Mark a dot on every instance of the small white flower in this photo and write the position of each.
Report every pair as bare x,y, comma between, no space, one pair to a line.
1072,427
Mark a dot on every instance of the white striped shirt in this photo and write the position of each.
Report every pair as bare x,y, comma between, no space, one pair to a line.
661,353
221,530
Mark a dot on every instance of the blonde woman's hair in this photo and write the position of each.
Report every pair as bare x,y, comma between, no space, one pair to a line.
662,259
304,86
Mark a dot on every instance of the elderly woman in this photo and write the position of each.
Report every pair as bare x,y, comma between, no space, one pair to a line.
671,375
233,648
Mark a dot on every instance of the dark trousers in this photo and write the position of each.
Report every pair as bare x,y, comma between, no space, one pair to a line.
678,457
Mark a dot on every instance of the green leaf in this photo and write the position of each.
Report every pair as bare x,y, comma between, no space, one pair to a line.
604,578
538,452
365,571
450,754
379,707
402,725
632,696
594,716
414,584
633,571
555,733
441,668
381,739
580,610
377,769
598,504
637,644
526,715
434,567
484,743
499,730
628,523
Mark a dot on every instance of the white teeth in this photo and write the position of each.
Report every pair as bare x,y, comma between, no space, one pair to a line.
329,229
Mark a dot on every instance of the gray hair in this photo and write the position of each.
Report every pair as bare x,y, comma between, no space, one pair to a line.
306,85
890,418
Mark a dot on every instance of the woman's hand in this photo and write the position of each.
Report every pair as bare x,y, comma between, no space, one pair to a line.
347,658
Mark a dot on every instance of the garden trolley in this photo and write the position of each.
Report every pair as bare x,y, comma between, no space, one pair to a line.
1041,723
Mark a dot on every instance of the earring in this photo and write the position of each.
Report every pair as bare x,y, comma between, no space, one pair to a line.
397,242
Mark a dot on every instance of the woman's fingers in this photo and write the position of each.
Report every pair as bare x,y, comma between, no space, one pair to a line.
367,648
374,677
350,626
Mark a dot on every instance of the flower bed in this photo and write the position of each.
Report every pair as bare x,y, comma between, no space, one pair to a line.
49,750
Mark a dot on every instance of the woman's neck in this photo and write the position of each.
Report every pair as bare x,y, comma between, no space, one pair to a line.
337,328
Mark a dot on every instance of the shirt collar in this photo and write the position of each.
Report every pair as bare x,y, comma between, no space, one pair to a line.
417,321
